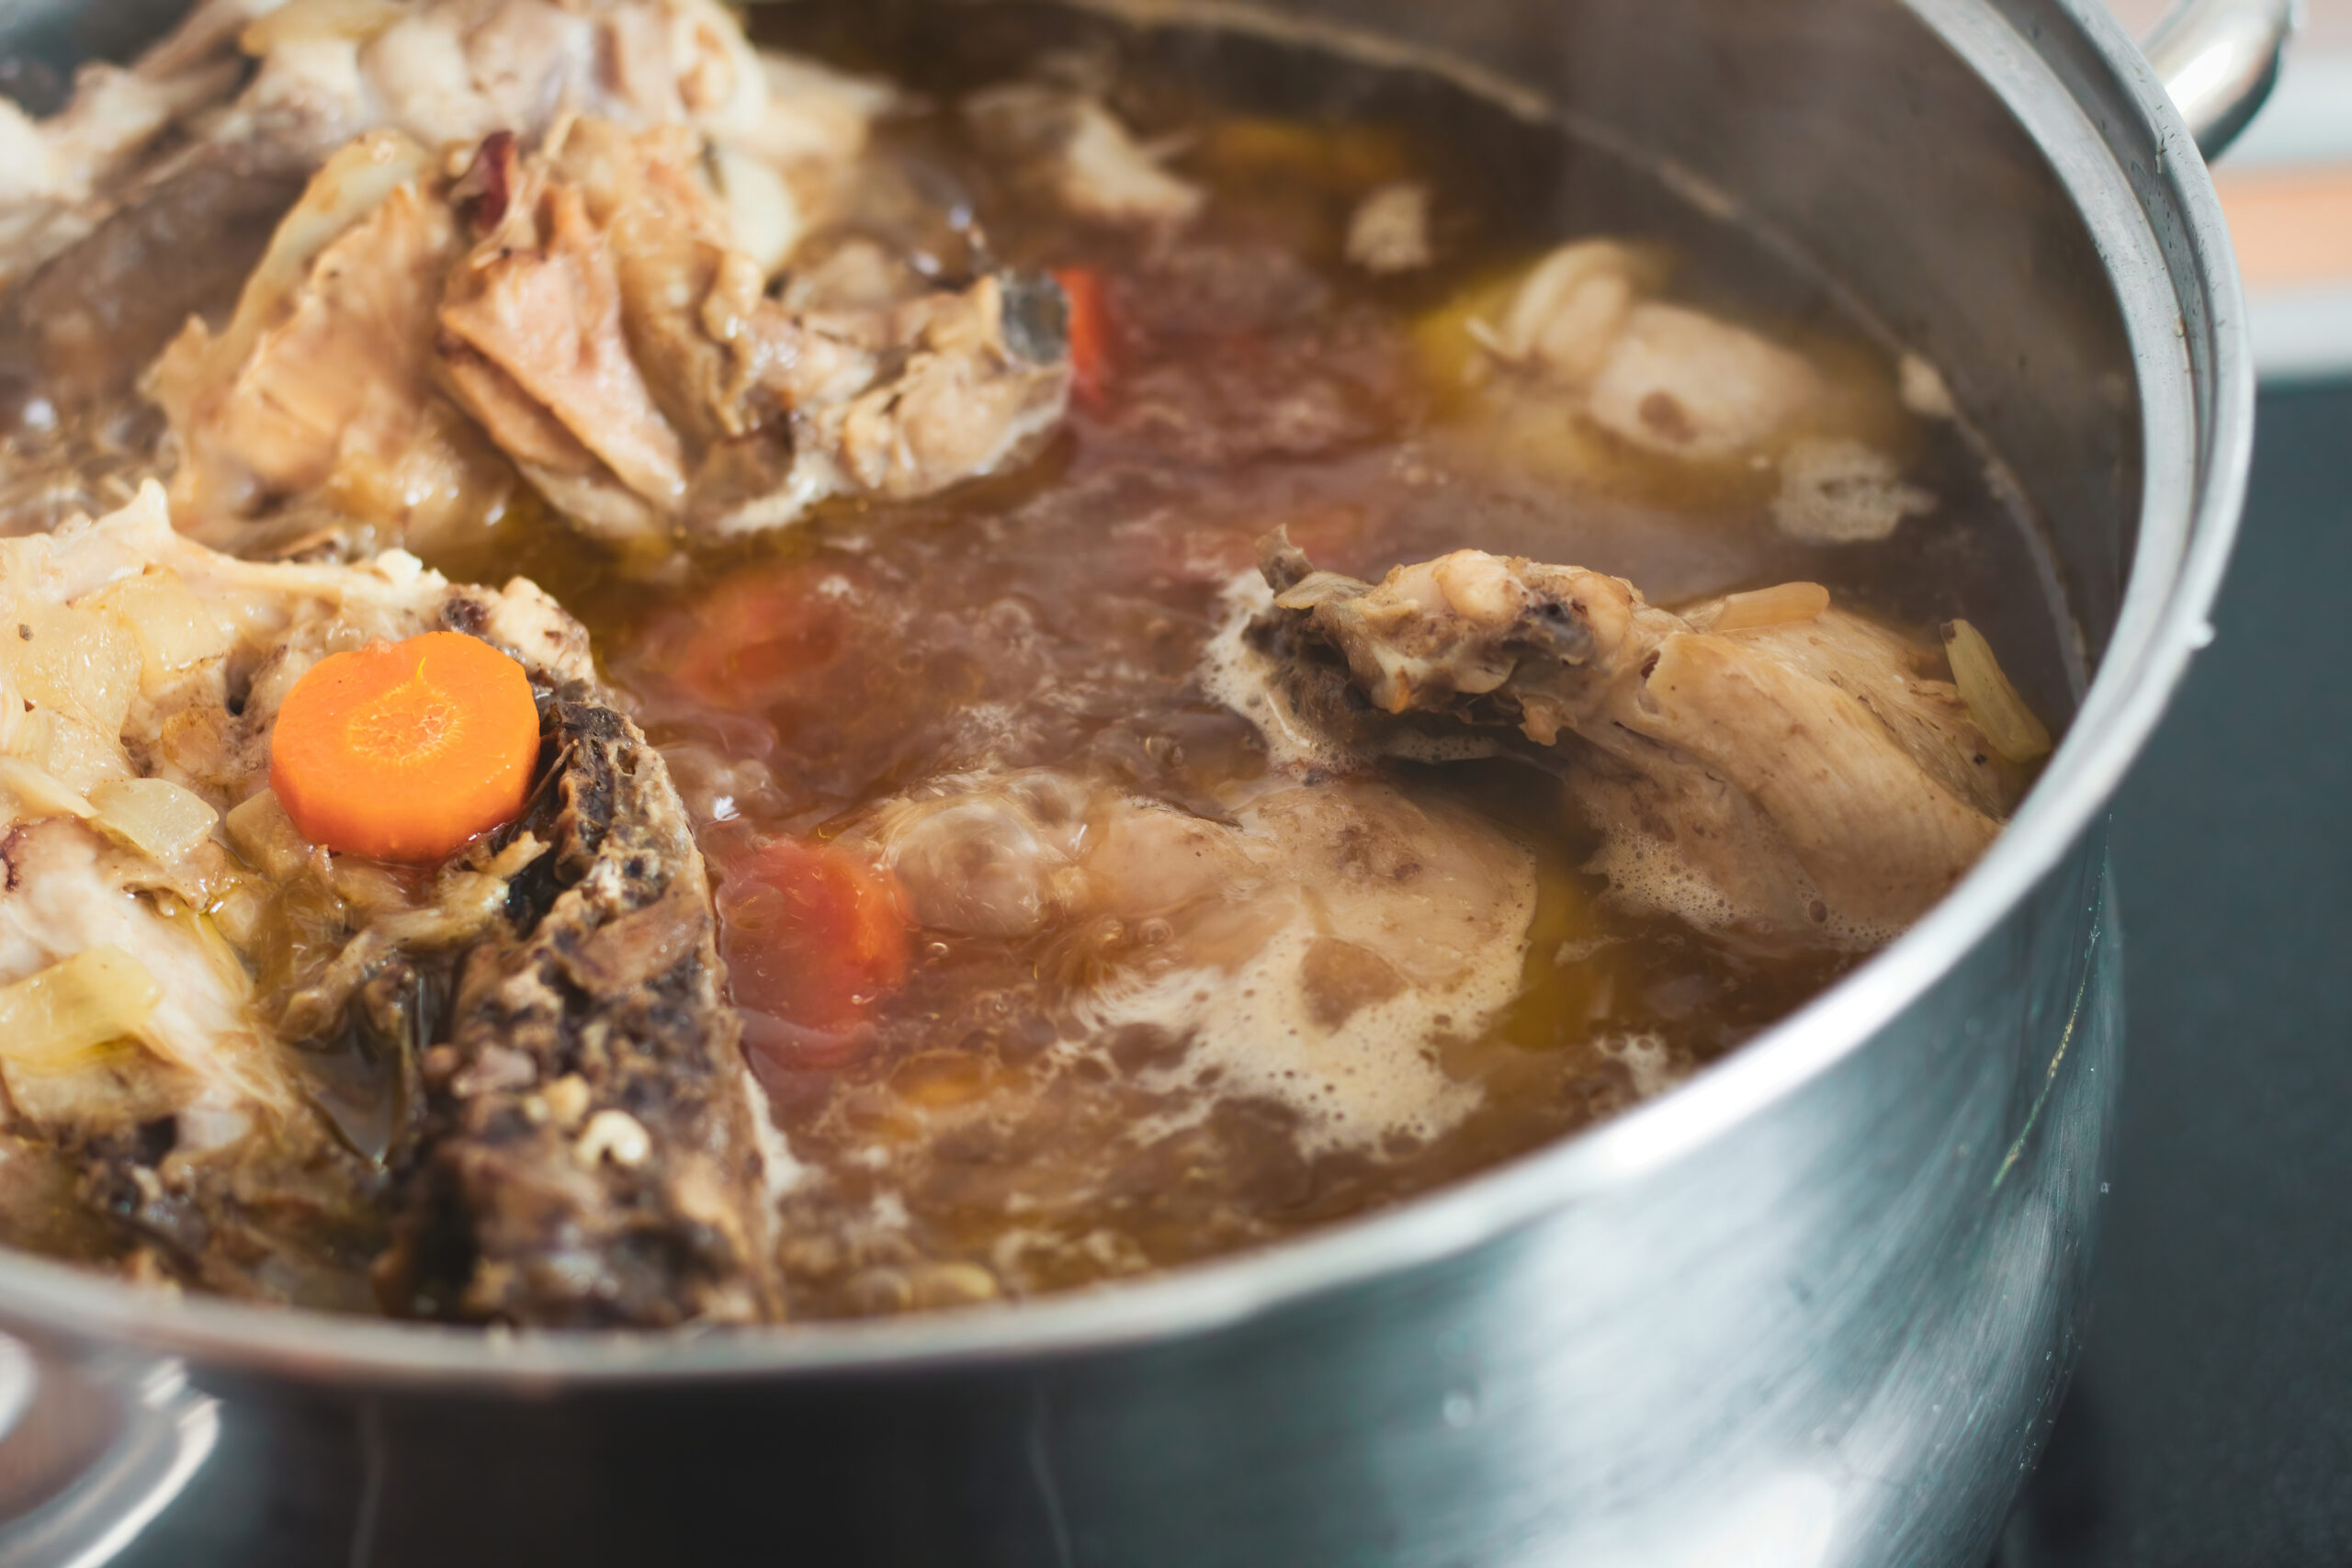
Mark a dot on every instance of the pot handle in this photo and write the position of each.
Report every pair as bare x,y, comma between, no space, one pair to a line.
94,1449
2219,59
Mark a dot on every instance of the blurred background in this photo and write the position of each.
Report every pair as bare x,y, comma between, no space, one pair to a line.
2211,1423
2288,186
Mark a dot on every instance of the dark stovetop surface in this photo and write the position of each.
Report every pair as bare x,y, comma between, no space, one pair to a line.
2211,1423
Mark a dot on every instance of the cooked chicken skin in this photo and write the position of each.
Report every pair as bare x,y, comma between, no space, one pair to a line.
315,73
224,1138
611,339
321,385
1763,761
582,316
142,203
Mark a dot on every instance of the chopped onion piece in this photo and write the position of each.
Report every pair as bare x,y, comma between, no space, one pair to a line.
260,831
205,935
39,792
318,21
155,817
242,917
78,662
172,627
60,1018
2009,725
69,749
1778,607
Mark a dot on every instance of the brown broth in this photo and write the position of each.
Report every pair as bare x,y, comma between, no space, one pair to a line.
980,1139
1054,619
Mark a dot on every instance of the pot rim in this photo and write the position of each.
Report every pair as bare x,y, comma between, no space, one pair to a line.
2196,453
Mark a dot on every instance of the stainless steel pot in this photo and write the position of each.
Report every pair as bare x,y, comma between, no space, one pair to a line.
1816,1307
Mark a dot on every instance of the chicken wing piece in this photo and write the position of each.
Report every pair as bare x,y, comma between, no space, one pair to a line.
1762,762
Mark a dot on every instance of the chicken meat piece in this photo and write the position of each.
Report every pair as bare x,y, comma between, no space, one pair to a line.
321,388
1587,323
1762,763
55,173
1314,947
535,333
214,131
508,1088
1143,1034
1389,231
1589,333
1067,148
584,316
965,382
614,343
90,290
309,75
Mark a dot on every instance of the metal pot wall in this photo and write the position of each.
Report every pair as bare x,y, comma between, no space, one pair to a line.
1815,1307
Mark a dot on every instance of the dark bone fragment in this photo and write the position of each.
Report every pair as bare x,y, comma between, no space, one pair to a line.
586,1155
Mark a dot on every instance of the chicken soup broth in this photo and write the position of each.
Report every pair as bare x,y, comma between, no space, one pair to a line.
1060,1088
1160,783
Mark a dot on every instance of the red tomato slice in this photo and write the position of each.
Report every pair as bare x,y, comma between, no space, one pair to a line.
815,937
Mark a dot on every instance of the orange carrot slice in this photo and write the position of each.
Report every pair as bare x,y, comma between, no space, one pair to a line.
815,937
406,750
760,636
1090,330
